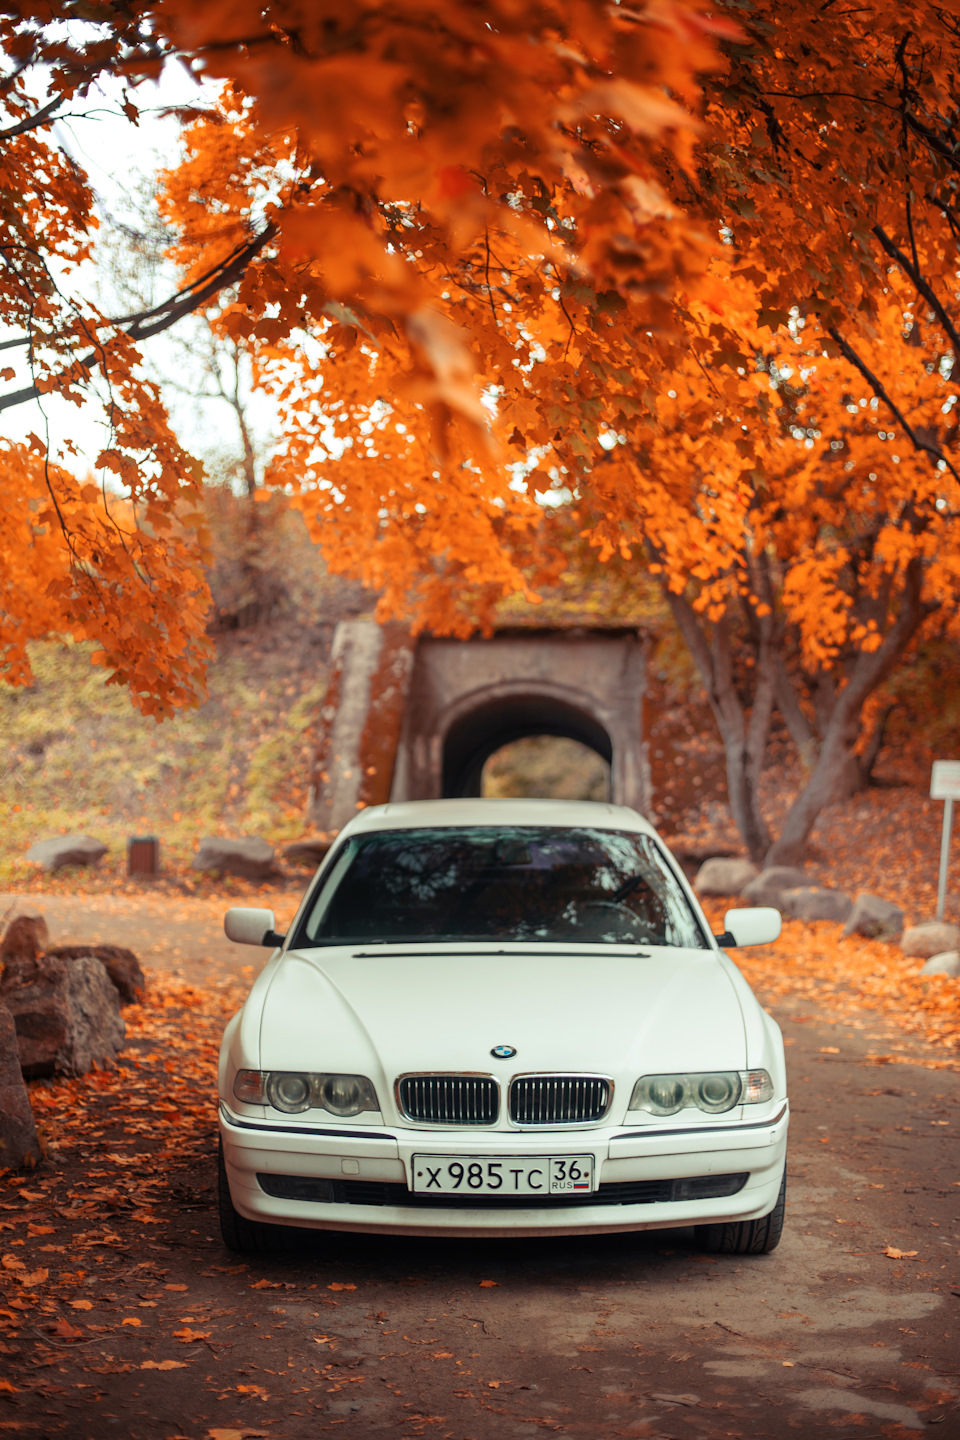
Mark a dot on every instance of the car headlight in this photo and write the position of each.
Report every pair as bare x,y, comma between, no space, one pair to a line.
714,1092
289,1092
292,1091
345,1094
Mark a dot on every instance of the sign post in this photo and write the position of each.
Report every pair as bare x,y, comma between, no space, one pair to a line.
945,785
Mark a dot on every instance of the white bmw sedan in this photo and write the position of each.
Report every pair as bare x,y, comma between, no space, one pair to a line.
495,1017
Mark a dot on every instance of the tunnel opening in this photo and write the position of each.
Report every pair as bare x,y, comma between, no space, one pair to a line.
549,767
477,736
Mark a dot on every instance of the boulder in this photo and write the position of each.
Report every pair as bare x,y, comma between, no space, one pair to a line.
308,851
933,937
66,850
874,917
723,875
252,859
946,964
26,937
18,1134
808,903
66,1014
122,966
770,884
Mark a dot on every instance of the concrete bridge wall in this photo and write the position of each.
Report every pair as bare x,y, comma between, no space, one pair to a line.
416,719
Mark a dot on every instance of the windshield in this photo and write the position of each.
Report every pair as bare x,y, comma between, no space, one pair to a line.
522,883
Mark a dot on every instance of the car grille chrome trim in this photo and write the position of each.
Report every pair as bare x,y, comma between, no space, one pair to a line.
449,1099
559,1099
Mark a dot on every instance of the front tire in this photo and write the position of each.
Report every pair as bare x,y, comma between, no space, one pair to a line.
243,1236
746,1237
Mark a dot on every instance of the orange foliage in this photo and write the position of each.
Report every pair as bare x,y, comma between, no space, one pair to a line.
118,564
76,562
507,266
643,262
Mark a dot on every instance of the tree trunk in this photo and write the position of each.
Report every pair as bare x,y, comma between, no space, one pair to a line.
801,732
825,785
744,743
871,751
842,727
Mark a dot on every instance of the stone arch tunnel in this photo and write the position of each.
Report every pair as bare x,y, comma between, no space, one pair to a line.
416,719
498,718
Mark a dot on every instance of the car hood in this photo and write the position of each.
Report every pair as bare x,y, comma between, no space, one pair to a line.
618,1014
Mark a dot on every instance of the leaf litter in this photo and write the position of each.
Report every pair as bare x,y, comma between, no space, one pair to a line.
127,1180
850,977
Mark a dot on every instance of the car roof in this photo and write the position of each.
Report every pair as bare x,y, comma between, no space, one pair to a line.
414,814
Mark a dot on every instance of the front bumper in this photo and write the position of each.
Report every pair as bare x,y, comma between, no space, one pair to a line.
621,1155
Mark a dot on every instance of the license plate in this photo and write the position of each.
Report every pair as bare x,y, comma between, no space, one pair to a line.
502,1175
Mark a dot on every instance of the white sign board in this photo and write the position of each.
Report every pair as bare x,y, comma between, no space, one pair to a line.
945,780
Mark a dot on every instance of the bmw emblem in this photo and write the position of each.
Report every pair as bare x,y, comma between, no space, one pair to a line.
503,1052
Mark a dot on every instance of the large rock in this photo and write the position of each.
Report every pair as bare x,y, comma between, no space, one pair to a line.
933,937
808,903
26,937
122,966
18,1134
770,884
308,851
252,859
66,1014
945,964
67,850
724,875
874,917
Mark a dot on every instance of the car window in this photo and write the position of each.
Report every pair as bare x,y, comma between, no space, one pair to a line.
524,883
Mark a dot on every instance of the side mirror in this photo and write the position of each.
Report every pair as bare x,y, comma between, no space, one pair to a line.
247,926
758,926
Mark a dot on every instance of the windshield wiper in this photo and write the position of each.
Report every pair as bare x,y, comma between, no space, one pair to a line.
628,887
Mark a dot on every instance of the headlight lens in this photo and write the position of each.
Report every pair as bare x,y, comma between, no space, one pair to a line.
714,1092
346,1094
665,1093
292,1091
288,1092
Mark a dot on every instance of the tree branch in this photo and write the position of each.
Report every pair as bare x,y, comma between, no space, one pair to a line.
923,286
881,393
801,731
32,122
872,666
163,316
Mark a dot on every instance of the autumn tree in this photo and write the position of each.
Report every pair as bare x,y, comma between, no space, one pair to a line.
205,373
488,256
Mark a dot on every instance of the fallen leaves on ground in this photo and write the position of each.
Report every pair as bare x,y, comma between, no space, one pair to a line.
845,976
119,1148
117,1160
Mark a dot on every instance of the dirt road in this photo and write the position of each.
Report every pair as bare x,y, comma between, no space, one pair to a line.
168,1335
181,933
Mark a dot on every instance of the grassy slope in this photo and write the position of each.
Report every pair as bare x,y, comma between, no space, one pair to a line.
77,757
